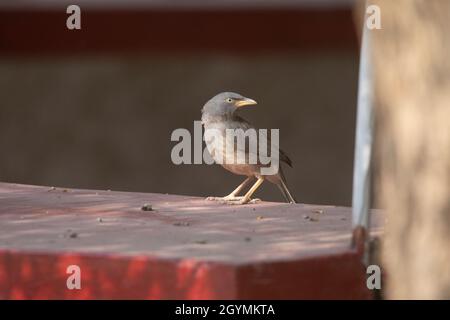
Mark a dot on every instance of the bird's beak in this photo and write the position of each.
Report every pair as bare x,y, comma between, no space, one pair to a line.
245,102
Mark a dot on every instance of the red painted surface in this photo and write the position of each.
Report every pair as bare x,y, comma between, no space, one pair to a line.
340,276
255,30
258,251
43,276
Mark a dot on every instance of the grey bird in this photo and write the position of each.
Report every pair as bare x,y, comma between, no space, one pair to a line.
219,116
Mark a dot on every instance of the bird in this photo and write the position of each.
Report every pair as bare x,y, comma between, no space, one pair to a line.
219,115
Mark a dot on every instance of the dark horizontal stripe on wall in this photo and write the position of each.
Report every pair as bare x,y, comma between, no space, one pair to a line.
41,32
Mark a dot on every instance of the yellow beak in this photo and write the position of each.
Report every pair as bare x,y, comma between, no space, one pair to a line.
245,102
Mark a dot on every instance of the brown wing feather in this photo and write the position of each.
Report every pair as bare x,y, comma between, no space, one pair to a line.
244,124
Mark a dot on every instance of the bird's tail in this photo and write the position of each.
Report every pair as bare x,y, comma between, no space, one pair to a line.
285,191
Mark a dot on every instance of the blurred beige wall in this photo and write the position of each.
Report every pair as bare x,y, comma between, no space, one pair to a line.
412,68
105,123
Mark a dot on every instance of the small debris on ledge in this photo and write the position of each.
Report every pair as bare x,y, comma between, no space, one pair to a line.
182,224
69,234
313,219
147,207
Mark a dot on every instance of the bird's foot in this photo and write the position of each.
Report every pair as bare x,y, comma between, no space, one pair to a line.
244,201
225,199
234,200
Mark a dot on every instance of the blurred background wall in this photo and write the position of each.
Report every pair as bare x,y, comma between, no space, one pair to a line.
96,116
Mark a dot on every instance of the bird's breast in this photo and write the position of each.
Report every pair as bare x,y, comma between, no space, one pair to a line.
223,150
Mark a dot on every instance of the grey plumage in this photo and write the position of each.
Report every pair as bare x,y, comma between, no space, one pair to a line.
219,114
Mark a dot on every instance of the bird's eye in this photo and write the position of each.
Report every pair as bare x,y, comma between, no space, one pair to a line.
229,100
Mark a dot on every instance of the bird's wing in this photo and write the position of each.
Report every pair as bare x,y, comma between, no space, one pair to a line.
241,123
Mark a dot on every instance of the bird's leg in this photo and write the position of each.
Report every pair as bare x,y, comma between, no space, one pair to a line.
233,195
247,197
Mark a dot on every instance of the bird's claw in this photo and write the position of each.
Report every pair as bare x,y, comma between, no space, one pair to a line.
233,200
225,199
242,201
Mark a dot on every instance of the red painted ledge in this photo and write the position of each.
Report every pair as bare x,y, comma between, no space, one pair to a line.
186,248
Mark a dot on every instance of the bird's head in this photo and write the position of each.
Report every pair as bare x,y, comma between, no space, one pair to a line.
225,104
